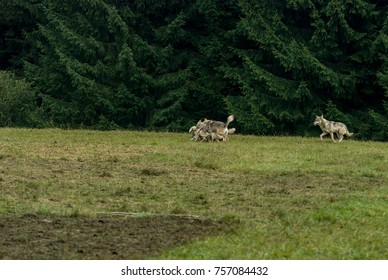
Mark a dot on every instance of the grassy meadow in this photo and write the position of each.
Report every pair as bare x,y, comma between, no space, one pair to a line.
286,197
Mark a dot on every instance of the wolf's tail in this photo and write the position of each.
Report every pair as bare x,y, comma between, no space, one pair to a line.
231,131
229,120
349,134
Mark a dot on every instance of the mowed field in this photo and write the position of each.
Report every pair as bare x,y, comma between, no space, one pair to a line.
81,194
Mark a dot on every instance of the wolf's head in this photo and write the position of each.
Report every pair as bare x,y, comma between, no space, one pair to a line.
202,124
318,120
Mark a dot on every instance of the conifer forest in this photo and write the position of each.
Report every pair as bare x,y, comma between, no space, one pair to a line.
164,64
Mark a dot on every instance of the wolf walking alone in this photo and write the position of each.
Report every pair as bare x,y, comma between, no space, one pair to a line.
331,127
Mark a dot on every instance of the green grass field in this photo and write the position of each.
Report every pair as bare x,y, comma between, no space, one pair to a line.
285,197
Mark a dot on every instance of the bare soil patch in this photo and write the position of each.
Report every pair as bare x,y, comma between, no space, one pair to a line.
40,237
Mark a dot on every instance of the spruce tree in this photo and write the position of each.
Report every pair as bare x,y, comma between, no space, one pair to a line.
87,66
16,18
302,58
113,63
376,127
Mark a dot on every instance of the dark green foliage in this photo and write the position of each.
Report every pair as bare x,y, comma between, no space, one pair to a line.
378,126
17,101
305,57
110,64
16,17
99,63
86,69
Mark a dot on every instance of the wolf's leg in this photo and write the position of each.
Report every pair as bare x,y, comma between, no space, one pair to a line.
323,134
332,137
340,134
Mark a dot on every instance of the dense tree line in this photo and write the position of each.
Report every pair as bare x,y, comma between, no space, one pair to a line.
165,64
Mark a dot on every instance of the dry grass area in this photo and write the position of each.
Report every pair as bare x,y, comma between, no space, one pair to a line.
287,197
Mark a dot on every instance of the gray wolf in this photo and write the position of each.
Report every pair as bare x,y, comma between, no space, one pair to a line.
210,130
331,127
198,132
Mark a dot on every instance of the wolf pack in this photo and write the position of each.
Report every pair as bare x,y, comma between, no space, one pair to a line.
211,130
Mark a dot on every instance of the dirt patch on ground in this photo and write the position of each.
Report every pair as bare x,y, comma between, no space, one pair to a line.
36,237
